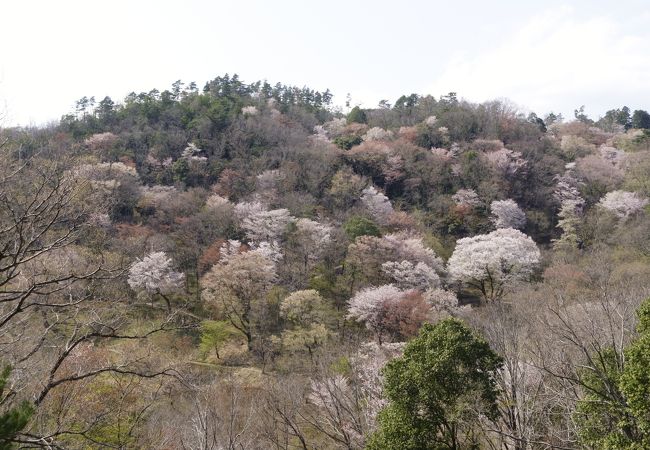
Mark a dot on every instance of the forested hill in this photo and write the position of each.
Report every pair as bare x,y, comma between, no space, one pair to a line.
232,267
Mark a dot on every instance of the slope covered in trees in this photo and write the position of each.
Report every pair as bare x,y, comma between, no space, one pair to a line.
233,268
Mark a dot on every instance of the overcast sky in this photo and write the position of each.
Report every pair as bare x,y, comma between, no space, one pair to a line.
543,56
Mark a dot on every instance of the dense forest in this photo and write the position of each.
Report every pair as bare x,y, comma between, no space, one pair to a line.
249,267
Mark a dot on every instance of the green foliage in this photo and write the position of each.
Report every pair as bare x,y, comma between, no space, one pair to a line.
341,366
614,412
641,119
430,136
347,141
16,418
357,115
616,117
181,170
213,335
601,414
437,390
357,226
643,313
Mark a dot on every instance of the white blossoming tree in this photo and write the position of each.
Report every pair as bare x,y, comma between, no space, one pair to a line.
309,242
262,225
249,111
377,134
411,276
507,162
215,202
369,306
191,154
491,262
466,197
377,204
507,214
622,203
403,250
388,310
153,274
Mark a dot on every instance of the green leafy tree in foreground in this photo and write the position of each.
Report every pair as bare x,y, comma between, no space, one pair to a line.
614,413
437,390
12,421
214,334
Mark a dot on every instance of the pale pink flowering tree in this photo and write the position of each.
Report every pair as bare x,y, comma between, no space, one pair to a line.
262,225
348,406
154,275
507,214
507,162
388,310
408,275
367,365
378,205
405,246
311,240
466,197
491,262
215,201
622,203
191,154
249,111
377,134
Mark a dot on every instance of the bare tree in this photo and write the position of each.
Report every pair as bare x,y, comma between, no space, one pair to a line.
58,299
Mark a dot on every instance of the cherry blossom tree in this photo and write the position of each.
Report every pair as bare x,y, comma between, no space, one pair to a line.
378,205
260,224
191,154
154,275
388,310
267,225
249,111
393,169
408,275
466,197
368,253
622,203
567,188
244,210
216,201
267,184
313,236
507,162
612,154
443,302
377,134
156,196
491,262
411,247
507,214
367,364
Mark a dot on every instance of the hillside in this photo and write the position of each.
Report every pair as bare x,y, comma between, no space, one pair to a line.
231,267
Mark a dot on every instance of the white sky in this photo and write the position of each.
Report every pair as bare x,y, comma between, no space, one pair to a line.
543,56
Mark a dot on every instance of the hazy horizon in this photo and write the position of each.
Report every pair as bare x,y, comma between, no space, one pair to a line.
554,57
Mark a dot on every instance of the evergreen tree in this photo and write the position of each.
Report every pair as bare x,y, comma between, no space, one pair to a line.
357,115
438,390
